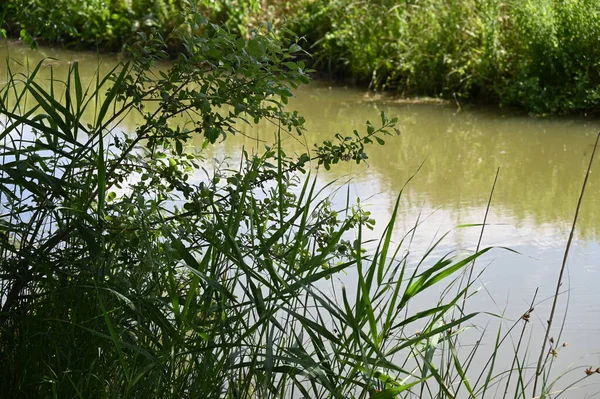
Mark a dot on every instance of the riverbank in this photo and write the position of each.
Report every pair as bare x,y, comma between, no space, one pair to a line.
538,55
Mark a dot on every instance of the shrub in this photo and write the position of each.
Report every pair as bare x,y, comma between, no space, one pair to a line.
108,25
538,55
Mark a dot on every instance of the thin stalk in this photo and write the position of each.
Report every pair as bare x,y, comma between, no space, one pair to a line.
472,267
525,319
487,210
538,369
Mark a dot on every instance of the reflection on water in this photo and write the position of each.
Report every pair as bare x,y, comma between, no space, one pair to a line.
542,164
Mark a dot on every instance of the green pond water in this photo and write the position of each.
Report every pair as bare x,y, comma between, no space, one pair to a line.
542,163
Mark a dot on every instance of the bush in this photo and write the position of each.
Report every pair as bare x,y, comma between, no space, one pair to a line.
108,25
552,64
538,55
96,23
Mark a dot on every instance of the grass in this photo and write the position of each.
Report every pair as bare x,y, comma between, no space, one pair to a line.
128,269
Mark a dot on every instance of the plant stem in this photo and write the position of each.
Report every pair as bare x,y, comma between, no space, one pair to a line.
487,210
539,368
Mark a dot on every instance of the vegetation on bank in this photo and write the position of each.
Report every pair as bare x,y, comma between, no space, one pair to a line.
538,55
130,268
110,25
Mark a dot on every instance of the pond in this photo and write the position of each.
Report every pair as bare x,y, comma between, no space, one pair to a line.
454,151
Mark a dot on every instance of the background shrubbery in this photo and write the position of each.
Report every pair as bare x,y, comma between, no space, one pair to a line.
102,24
538,55
108,25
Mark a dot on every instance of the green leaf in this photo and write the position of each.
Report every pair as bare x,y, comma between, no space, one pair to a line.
294,48
370,128
392,392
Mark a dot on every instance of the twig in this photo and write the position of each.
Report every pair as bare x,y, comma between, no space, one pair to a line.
458,107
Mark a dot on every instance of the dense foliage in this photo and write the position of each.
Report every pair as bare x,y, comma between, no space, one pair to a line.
537,55
111,24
